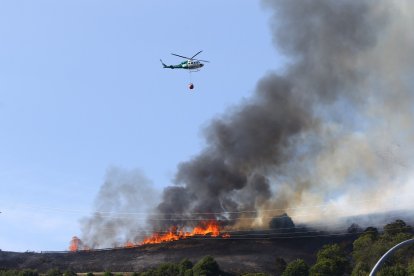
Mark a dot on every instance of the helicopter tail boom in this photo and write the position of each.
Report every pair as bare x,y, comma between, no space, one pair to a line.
169,66
163,64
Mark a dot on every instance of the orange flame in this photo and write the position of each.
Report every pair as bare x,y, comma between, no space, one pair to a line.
129,244
74,244
209,227
205,228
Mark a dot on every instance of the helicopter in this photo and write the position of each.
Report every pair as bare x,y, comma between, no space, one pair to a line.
191,64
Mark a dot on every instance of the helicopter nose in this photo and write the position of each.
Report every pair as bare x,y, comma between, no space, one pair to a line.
201,65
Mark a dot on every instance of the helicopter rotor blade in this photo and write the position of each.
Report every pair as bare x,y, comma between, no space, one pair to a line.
195,55
180,56
202,60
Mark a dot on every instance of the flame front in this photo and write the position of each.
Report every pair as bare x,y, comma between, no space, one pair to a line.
211,227
74,244
205,228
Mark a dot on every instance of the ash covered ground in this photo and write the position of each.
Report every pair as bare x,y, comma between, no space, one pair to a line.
234,256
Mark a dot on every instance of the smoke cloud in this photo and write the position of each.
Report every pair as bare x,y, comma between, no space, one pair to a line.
330,136
321,132
120,209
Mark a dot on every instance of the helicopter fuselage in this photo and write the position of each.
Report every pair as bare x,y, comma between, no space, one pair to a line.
188,64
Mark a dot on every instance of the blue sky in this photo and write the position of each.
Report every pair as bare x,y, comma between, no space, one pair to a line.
82,90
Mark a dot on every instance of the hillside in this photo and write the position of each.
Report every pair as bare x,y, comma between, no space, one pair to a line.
234,256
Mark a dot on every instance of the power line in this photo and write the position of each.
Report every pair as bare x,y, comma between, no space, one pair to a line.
306,207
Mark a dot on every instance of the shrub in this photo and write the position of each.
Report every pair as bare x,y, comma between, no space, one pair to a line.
331,261
371,231
392,271
362,249
399,226
167,269
361,269
326,267
296,268
184,266
410,269
207,266
54,272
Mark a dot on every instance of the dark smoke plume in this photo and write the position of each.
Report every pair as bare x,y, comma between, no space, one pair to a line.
332,135
280,148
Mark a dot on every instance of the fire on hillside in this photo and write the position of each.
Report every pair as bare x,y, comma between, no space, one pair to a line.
205,228
209,228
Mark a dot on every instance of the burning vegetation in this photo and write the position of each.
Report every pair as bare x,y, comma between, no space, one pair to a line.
208,228
205,228
75,244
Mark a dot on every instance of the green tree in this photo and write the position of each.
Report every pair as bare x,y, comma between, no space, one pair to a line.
184,266
331,261
207,266
398,226
108,273
90,274
296,268
326,267
361,269
387,241
368,248
167,269
362,248
392,271
410,269
371,231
